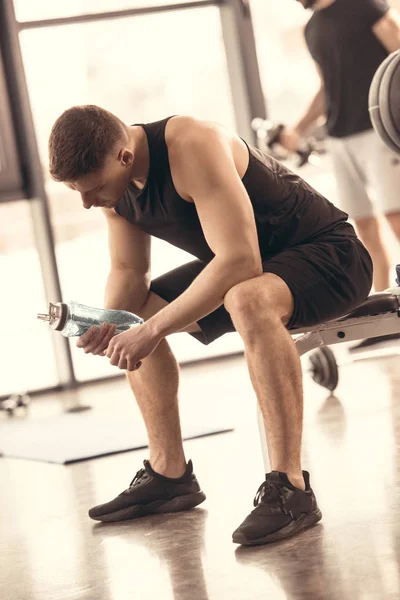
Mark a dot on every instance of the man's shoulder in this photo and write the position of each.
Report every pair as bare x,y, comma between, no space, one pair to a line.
188,125
184,129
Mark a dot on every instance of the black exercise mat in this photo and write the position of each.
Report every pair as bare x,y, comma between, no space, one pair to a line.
68,438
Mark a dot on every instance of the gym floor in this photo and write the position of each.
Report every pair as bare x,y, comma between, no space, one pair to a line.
50,549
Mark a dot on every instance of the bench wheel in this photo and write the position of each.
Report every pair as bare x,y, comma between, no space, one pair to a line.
324,369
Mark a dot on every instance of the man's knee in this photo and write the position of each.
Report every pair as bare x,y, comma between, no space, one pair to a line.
259,305
250,306
243,298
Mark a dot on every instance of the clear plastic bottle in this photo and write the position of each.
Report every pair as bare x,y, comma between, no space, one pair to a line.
73,319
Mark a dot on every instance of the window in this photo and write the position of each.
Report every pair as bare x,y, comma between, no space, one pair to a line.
26,352
289,77
26,10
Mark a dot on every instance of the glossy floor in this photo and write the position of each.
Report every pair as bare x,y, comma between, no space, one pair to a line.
50,549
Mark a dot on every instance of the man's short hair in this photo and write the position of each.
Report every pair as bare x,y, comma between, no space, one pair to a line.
80,141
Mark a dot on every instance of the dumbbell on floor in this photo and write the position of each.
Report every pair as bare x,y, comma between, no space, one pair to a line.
15,401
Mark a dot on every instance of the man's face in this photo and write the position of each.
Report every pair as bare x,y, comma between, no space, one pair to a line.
105,187
307,3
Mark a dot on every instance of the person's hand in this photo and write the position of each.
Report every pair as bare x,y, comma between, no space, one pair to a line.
96,339
126,350
290,139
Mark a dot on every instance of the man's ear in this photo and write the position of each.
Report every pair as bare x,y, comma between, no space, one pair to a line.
125,157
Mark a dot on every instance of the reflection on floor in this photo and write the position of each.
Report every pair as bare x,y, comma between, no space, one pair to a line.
50,549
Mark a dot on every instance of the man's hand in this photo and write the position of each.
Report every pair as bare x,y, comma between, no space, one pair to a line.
387,30
289,139
96,339
126,350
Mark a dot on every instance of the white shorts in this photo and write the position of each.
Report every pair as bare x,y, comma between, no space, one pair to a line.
367,175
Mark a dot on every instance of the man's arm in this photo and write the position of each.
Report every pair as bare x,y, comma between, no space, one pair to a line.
208,175
315,111
128,281
387,30
290,138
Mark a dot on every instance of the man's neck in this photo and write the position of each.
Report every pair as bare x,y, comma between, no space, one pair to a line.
141,154
320,4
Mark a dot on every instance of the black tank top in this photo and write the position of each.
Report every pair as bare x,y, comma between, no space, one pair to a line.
287,210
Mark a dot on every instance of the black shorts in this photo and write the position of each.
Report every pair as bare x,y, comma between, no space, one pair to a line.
328,277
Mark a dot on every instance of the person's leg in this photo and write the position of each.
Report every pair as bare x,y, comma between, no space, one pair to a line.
155,384
316,282
155,387
284,503
394,221
354,170
260,309
369,231
384,178
166,483
393,218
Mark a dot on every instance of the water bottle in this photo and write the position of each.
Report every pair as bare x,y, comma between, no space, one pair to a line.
73,319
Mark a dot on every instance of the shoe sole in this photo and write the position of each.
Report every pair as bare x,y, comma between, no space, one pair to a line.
178,504
303,522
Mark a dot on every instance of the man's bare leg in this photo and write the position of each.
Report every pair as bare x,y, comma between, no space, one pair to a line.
155,386
166,483
260,308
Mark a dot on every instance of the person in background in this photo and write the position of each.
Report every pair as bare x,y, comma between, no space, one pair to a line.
348,40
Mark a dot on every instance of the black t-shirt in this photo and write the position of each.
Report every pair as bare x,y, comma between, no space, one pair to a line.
341,41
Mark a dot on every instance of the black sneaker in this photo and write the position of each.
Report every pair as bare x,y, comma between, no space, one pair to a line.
281,511
149,493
